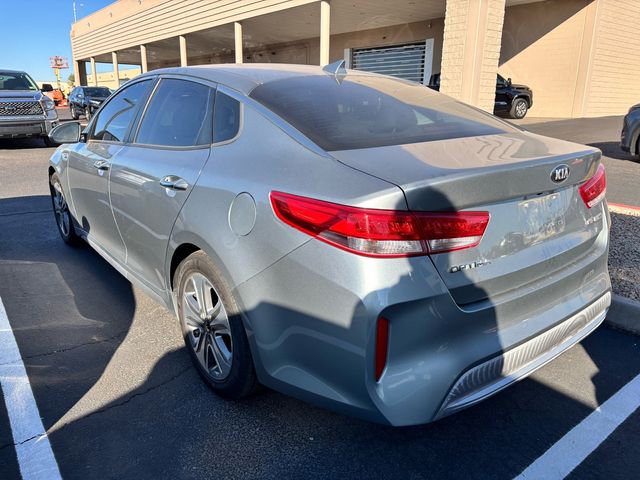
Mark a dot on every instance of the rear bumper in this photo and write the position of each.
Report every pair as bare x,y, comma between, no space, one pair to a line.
311,321
499,372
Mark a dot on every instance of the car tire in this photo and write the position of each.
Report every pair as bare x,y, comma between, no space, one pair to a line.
64,220
212,328
87,113
74,114
519,108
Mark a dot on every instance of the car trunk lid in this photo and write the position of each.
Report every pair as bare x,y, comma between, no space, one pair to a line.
537,226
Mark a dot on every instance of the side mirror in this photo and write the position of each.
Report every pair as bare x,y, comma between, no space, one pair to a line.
69,132
46,87
509,81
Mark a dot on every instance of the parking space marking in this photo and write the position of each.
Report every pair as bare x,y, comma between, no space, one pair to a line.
35,456
572,449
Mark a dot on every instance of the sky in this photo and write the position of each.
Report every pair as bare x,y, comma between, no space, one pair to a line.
35,30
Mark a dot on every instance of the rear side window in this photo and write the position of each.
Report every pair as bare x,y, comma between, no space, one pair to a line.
178,115
114,119
226,118
360,111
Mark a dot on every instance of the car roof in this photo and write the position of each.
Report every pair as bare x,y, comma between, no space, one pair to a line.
246,77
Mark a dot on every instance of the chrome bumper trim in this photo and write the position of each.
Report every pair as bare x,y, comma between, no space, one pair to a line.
497,373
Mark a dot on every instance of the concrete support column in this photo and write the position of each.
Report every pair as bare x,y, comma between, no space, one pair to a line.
80,72
183,51
116,71
325,31
237,31
471,50
93,71
143,58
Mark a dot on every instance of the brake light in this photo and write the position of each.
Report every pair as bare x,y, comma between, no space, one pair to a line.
382,346
380,233
594,189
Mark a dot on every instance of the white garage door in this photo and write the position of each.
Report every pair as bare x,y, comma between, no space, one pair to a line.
411,61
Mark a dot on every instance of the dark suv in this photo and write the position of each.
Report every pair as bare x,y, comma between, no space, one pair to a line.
86,100
511,100
630,138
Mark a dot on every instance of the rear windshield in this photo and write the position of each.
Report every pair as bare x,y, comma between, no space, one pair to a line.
97,91
366,111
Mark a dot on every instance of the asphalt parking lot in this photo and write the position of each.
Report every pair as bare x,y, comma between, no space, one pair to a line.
119,398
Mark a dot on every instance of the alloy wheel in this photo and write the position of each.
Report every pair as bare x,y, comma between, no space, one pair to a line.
207,325
521,109
61,210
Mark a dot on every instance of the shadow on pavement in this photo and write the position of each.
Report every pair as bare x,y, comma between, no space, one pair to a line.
71,312
69,309
22,143
613,150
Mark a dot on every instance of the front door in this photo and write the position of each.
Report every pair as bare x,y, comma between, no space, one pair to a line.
90,165
152,178
502,98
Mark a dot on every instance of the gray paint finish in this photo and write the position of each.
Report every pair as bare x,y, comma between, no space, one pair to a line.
310,309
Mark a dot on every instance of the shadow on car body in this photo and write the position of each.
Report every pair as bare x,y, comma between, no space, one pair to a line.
172,426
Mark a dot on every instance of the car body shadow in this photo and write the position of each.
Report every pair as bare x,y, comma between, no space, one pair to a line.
69,309
172,426
613,150
22,143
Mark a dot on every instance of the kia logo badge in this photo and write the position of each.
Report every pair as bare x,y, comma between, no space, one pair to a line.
560,173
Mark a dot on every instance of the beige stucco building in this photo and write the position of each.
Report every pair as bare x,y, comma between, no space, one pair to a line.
580,57
108,79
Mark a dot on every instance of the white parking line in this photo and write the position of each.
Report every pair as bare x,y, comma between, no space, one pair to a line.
571,450
35,457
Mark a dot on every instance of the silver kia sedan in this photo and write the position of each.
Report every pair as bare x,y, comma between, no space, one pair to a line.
355,240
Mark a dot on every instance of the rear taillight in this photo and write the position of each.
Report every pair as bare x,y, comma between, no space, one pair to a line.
594,189
382,346
381,233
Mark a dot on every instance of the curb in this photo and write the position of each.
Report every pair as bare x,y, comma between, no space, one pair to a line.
623,206
624,314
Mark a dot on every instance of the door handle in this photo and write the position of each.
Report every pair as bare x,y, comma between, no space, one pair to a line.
174,182
101,165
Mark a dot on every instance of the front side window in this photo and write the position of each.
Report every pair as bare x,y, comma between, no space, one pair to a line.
178,115
114,119
362,111
226,118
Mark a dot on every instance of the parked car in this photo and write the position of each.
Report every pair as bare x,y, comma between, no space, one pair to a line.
24,110
630,137
511,100
352,239
86,100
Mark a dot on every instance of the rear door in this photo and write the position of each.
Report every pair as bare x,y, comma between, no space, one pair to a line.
90,165
152,177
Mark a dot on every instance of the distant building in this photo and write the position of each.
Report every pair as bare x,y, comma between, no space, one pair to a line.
580,57
108,79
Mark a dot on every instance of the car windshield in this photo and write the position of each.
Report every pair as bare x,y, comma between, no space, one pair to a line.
97,92
16,81
360,111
